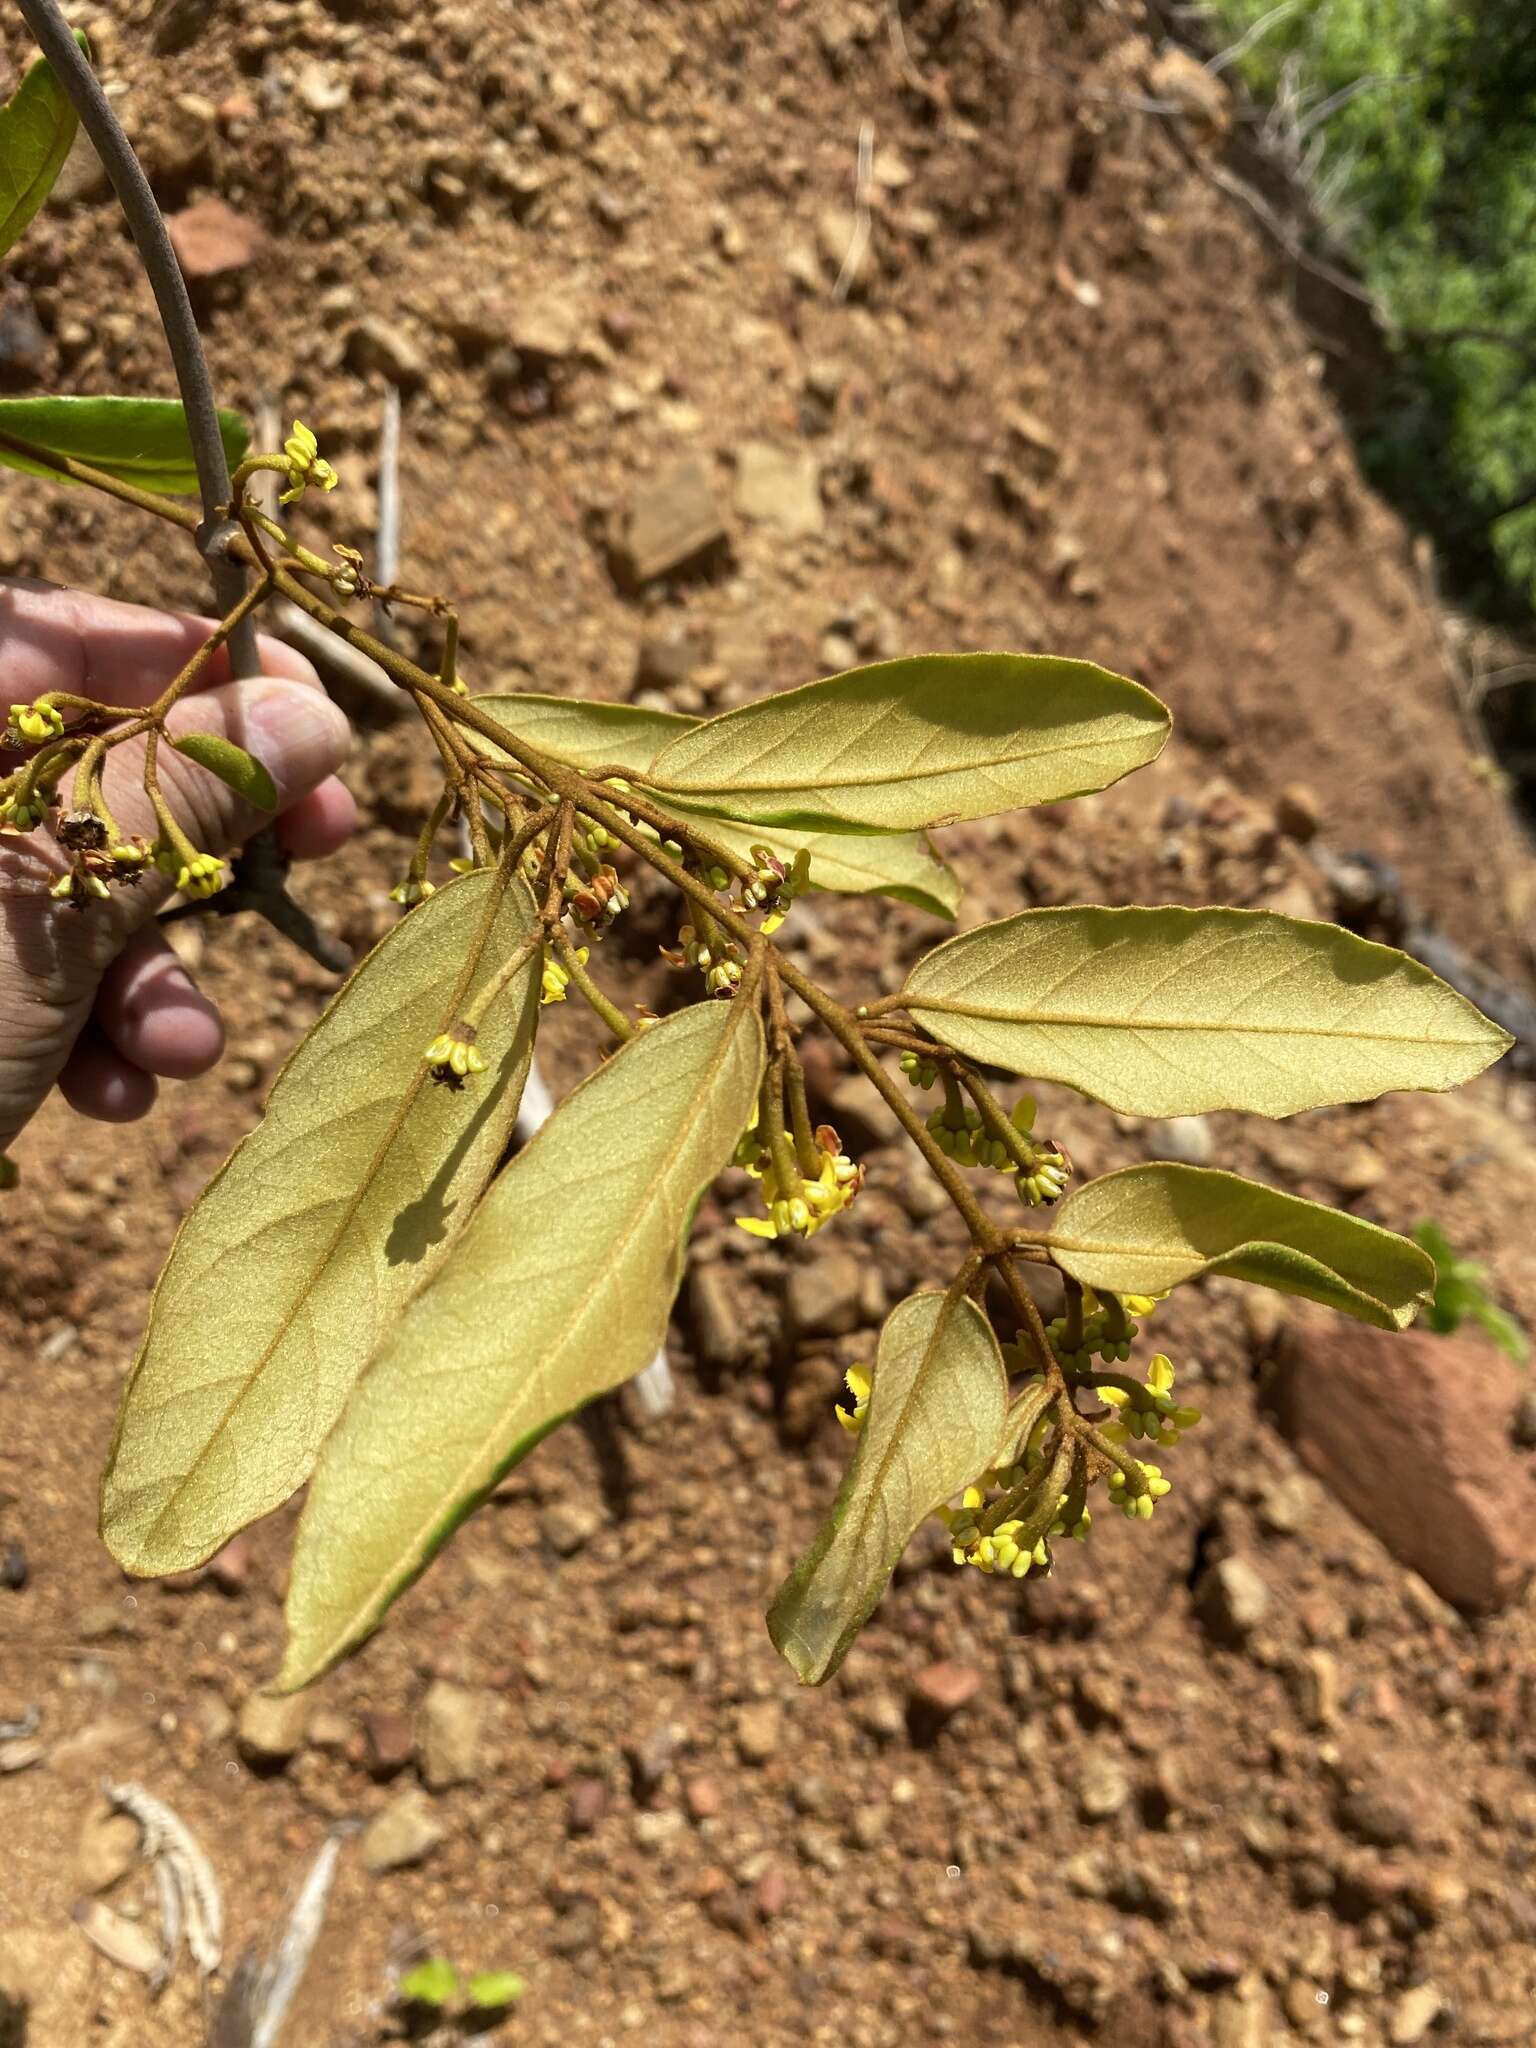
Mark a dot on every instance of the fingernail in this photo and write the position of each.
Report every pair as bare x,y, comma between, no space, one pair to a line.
298,734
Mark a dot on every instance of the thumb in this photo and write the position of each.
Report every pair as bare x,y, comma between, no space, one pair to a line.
292,729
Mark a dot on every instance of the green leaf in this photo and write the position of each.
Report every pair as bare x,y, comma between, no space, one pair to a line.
904,745
594,735
1149,1228
938,1406
305,1247
1169,1012
493,1989
233,765
559,1290
1461,1291
434,1982
141,441
37,128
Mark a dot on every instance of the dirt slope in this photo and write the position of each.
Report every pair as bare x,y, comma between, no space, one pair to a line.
1063,406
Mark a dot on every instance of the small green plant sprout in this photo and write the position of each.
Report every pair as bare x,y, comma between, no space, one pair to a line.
1461,1293
435,1985
367,1303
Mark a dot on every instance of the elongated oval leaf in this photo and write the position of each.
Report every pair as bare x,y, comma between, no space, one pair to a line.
305,1247
37,128
904,745
1150,1227
233,765
594,735
1168,1012
141,441
559,1291
938,1406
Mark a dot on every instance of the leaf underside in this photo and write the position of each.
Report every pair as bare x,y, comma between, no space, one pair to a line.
141,441
1149,1228
558,1292
37,129
1170,1012
304,1249
902,746
627,737
938,1407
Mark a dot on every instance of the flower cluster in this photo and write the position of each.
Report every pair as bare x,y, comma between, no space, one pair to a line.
718,958
1138,1506
1041,1169
24,810
601,898
452,1055
799,1206
1149,1412
195,874
306,465
31,724
414,889
556,979
1106,1334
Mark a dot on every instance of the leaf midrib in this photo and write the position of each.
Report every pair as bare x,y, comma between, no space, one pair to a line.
364,1609
954,1006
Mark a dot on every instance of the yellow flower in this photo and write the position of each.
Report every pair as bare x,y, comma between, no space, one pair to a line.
835,1184
22,813
412,890
851,1413
306,465
35,723
1139,1506
452,1055
201,876
78,888
556,978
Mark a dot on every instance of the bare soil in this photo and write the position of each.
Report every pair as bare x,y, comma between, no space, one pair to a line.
1064,406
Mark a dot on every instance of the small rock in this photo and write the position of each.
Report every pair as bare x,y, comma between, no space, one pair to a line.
863,1119
1232,1600
879,1714
1357,1169
21,1754
714,1313
1522,1429
812,1793
329,1731
1285,1506
1413,2015
406,1831
1409,1431
1199,94
379,347
1316,1676
46,1981
322,90
757,1731
13,1568
588,1804
546,329
212,240
772,1894
667,660
779,489
1185,1138
668,524
270,1731
654,1832
109,1848
650,1758
579,1928
391,1742
230,1568
569,1525
702,1798
1103,1786
1372,1815
23,344
868,1824
452,1735
824,1295
1298,812
942,1689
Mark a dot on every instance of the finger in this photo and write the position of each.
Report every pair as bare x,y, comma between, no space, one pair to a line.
99,1082
52,639
149,1010
318,823
297,734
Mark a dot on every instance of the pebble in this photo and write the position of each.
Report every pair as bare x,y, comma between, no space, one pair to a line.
13,1568
703,1799
778,488
406,1831
320,89
868,1824
546,329
668,523
1413,2015
569,1525
1372,1815
714,1314
1317,1688
212,240
1298,812
452,1735
654,1831
942,1689
825,1294
758,1727
880,1714
1232,1600
109,1848
650,1759
1285,1506
1187,1139
378,346
771,1894
270,1731
1523,1430
391,1742
1103,1786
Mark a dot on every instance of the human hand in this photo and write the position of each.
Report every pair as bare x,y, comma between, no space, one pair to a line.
95,1000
